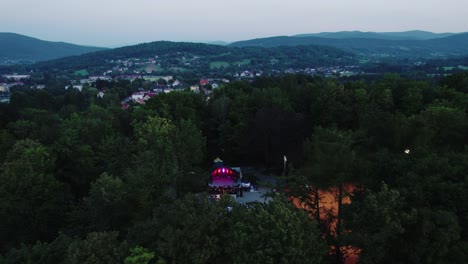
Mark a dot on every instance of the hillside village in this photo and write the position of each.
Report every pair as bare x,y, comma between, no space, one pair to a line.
171,72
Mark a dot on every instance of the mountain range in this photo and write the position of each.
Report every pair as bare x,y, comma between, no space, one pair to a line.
16,48
437,47
405,35
19,49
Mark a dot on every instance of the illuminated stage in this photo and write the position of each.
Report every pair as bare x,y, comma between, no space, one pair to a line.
225,180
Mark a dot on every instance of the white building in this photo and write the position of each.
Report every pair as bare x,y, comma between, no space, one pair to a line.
16,77
3,87
78,87
195,88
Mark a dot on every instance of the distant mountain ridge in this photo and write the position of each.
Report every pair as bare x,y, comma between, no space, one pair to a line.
452,45
16,48
405,35
218,42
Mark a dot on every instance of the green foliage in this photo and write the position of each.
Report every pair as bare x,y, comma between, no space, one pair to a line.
97,248
76,170
218,64
276,233
202,232
330,157
106,207
40,252
444,125
33,201
177,148
139,255
375,222
196,232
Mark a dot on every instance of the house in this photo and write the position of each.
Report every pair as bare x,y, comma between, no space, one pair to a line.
3,87
167,78
16,77
176,83
100,94
246,74
86,81
137,95
204,82
214,85
195,88
140,101
129,77
148,96
158,89
103,78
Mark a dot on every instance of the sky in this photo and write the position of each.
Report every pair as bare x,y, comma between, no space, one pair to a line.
112,23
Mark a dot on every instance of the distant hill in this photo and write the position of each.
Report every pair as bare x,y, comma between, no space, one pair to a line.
15,48
219,42
199,58
453,45
405,35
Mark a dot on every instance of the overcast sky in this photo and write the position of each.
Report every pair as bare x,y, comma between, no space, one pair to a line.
113,23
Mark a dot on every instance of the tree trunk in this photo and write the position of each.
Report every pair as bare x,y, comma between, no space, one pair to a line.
339,257
317,205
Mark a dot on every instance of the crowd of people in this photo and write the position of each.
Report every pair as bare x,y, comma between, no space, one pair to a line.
224,190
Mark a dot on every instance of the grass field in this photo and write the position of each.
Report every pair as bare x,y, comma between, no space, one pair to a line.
449,68
152,68
179,69
243,62
82,72
274,61
218,64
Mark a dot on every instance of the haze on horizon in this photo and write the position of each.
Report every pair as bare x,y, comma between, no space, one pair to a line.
111,23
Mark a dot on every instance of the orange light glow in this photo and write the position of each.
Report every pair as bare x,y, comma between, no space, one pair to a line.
328,209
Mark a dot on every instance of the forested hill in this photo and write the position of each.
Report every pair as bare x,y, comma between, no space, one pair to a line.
199,56
447,46
160,48
15,48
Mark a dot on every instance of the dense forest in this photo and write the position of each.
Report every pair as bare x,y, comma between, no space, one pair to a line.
85,181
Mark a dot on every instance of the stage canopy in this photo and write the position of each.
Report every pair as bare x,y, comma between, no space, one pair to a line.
223,177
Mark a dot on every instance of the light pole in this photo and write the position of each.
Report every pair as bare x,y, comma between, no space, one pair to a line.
285,159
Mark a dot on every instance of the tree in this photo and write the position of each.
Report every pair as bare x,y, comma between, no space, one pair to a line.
177,148
198,231
97,248
33,202
40,252
105,208
276,233
330,163
195,232
443,126
139,255
376,221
